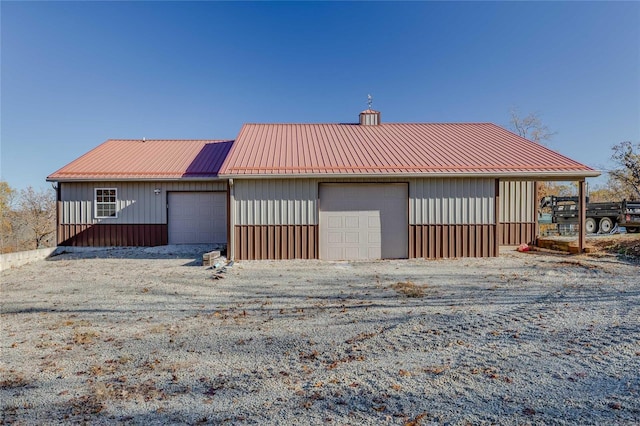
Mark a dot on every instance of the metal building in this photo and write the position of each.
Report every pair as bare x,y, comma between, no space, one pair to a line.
374,190
144,193
369,190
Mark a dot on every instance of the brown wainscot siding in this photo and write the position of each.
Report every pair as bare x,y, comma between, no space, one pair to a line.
514,234
451,241
107,235
256,242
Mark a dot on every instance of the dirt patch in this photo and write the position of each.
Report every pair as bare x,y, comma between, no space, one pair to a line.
409,289
620,244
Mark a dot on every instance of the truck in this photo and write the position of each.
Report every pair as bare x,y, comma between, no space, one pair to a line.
601,217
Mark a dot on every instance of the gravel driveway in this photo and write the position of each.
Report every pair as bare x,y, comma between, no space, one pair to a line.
147,336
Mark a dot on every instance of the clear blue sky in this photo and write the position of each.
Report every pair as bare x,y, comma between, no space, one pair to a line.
77,73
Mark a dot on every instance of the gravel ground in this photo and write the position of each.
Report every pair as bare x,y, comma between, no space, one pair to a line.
148,336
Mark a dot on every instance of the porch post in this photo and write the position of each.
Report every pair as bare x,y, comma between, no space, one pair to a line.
536,206
582,217
498,231
58,211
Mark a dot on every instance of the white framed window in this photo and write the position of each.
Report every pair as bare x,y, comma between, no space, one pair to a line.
105,204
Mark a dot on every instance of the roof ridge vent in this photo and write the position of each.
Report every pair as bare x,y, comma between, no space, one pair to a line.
369,117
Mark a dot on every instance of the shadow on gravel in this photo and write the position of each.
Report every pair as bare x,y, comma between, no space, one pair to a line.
631,260
295,305
187,251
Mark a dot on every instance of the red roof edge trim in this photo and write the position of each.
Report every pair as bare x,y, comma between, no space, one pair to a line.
400,167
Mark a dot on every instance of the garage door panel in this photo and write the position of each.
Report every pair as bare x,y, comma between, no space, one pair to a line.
335,222
351,222
336,237
349,253
197,217
351,237
371,220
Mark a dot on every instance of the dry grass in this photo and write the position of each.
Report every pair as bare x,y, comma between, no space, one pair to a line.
119,389
409,288
84,337
436,369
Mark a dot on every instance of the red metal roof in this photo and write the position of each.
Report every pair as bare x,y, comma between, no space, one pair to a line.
149,159
392,149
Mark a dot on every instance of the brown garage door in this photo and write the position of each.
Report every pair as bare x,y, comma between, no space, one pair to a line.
363,221
197,217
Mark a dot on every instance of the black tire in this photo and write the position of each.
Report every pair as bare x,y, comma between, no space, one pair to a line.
590,225
606,225
632,230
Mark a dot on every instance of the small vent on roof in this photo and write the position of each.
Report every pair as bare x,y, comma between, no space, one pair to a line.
369,117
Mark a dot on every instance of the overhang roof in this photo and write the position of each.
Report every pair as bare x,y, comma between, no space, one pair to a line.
147,159
392,149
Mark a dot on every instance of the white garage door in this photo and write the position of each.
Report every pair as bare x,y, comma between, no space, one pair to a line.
197,217
363,221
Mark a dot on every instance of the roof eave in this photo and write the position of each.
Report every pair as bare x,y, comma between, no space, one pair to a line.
134,179
551,175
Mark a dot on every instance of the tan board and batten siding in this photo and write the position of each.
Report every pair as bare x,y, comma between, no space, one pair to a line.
276,202
451,201
142,215
447,217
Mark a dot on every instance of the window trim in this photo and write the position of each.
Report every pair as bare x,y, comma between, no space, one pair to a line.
96,202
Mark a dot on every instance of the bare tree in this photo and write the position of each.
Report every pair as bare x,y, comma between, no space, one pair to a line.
530,126
7,195
37,213
626,156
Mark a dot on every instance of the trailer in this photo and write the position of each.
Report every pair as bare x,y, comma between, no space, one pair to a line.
601,217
